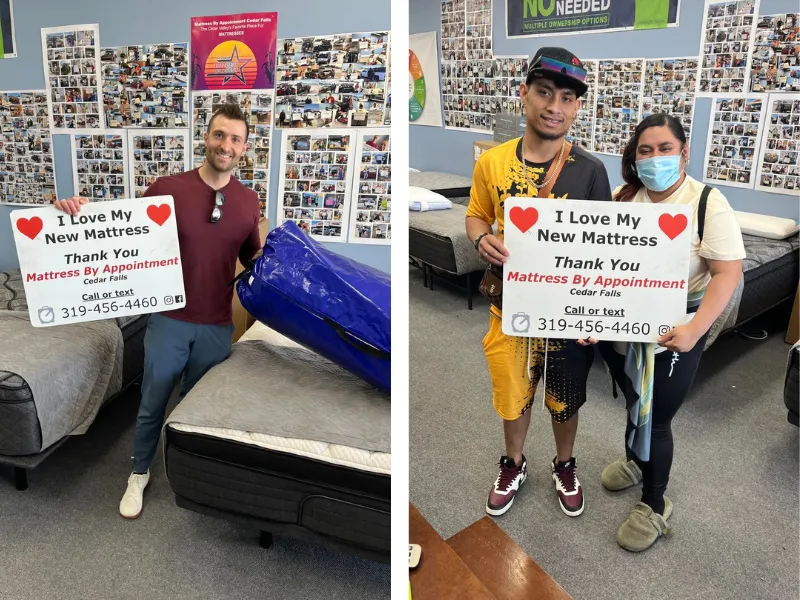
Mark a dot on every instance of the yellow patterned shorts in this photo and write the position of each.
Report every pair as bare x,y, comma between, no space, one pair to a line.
516,365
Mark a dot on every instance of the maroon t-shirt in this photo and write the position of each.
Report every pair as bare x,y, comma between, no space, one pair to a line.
209,250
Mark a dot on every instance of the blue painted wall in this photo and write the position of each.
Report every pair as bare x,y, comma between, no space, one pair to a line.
437,149
155,21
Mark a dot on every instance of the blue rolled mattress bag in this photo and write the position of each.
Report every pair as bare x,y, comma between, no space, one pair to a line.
335,306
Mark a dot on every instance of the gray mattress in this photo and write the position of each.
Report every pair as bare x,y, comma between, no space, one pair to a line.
19,422
770,274
287,392
438,237
455,187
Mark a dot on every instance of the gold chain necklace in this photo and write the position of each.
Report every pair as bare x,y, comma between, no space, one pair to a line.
553,174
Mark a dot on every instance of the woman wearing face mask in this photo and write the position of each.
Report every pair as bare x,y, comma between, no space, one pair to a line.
655,378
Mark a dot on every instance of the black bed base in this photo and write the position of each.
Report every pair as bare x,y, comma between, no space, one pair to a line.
267,529
279,493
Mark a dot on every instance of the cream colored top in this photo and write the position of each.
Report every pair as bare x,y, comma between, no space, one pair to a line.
722,237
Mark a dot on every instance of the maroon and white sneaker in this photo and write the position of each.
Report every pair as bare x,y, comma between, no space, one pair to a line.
505,488
568,488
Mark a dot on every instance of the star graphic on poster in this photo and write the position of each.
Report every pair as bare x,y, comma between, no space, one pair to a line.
230,68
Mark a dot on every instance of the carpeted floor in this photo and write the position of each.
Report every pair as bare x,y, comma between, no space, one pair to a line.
63,538
734,482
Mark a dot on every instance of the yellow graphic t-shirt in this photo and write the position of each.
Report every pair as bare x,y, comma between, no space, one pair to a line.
499,174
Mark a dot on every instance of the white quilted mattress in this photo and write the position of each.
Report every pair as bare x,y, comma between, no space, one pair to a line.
346,456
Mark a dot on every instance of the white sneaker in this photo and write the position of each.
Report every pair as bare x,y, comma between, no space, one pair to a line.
130,506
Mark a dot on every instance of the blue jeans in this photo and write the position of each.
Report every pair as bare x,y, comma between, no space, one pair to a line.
173,350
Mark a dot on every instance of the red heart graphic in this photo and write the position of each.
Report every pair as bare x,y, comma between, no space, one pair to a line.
523,218
672,225
30,227
159,214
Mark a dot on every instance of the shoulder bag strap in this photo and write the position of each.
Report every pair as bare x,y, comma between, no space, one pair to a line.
701,211
555,170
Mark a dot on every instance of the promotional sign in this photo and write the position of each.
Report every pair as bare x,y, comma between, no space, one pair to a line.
530,18
113,259
608,270
234,52
424,100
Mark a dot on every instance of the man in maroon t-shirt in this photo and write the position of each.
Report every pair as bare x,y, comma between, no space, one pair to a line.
217,220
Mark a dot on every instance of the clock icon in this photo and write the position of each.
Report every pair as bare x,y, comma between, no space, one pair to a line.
46,315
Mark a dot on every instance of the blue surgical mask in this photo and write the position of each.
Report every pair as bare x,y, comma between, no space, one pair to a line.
659,172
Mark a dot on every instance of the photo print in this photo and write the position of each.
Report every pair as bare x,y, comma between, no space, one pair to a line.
778,164
735,128
619,97
155,154
474,91
725,46
776,54
27,172
332,81
253,167
669,87
371,204
71,64
582,131
99,165
478,29
145,86
315,182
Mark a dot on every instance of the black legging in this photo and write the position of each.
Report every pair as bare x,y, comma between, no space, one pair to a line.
673,376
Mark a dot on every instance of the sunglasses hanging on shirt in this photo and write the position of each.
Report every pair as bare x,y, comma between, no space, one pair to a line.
219,200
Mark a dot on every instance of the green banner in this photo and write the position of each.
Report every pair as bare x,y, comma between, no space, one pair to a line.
651,14
532,18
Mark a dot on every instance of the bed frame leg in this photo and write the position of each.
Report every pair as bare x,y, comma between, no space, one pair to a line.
21,478
425,274
469,291
430,276
265,539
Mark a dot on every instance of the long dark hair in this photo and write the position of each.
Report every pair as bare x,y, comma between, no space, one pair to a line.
632,182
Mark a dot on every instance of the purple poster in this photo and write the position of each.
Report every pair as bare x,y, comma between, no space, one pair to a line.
234,52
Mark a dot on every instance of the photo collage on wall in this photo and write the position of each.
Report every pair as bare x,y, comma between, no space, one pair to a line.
479,29
582,131
145,86
476,90
253,168
315,183
776,54
733,138
99,162
27,173
372,201
669,87
332,81
779,168
71,63
619,96
728,30
156,154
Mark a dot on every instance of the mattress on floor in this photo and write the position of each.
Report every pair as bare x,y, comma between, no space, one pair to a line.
229,445
770,274
20,427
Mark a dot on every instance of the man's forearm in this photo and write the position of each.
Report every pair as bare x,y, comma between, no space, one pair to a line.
476,227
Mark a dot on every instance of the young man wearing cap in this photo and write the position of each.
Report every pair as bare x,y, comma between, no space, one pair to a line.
541,163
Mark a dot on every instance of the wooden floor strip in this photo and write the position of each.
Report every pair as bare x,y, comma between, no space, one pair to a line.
441,574
502,565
